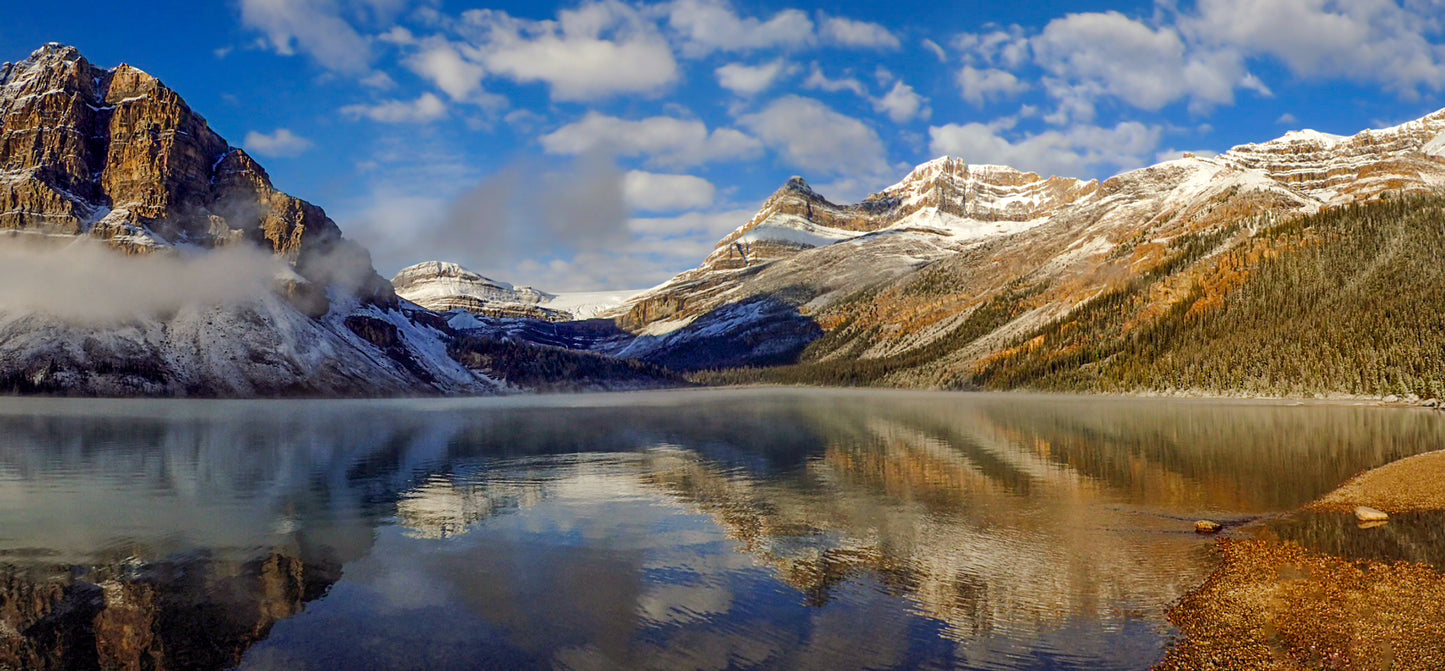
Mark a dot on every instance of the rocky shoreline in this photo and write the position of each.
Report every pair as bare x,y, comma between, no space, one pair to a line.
1316,590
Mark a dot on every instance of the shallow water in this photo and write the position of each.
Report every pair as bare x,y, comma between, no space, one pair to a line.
672,530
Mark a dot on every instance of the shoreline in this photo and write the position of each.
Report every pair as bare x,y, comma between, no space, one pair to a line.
1276,603
552,396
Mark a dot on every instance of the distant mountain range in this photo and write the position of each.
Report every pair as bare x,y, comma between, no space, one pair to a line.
1310,264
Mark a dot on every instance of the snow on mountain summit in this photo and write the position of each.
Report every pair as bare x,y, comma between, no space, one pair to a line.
442,287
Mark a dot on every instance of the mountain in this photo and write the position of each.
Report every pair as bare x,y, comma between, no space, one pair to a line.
112,158
966,276
443,287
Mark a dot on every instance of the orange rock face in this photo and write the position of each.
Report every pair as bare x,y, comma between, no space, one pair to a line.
118,156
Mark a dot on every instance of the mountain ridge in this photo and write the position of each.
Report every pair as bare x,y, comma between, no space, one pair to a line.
929,282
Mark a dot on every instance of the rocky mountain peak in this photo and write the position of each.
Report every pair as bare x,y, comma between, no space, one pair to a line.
798,185
118,156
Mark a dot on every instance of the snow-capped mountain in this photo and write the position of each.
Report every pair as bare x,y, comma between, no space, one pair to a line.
114,158
909,276
442,287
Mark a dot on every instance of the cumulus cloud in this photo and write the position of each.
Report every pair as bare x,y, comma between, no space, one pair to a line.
597,50
314,27
1075,151
653,192
1144,66
1365,40
706,26
857,34
425,108
808,134
661,140
1007,48
750,80
818,81
398,35
281,142
441,63
902,104
981,87
1202,53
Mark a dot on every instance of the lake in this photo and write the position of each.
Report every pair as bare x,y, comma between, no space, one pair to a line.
699,529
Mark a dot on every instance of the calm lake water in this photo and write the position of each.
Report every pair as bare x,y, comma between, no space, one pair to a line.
770,529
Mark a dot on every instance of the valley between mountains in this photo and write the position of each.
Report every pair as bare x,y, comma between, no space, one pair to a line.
1308,265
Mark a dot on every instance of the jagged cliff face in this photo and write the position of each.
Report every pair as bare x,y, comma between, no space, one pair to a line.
117,156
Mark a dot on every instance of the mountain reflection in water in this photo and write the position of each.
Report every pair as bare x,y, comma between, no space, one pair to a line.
709,530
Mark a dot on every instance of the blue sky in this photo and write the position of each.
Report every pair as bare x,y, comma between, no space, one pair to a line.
608,144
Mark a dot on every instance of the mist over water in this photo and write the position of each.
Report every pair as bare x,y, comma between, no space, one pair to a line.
751,529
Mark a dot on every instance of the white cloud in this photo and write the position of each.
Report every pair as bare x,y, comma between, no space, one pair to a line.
1201,54
314,27
598,50
662,140
397,35
750,80
983,86
817,81
706,26
426,108
859,34
1365,40
1003,48
902,104
378,80
1146,67
1287,119
443,65
811,136
653,192
1075,151
937,51
281,142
